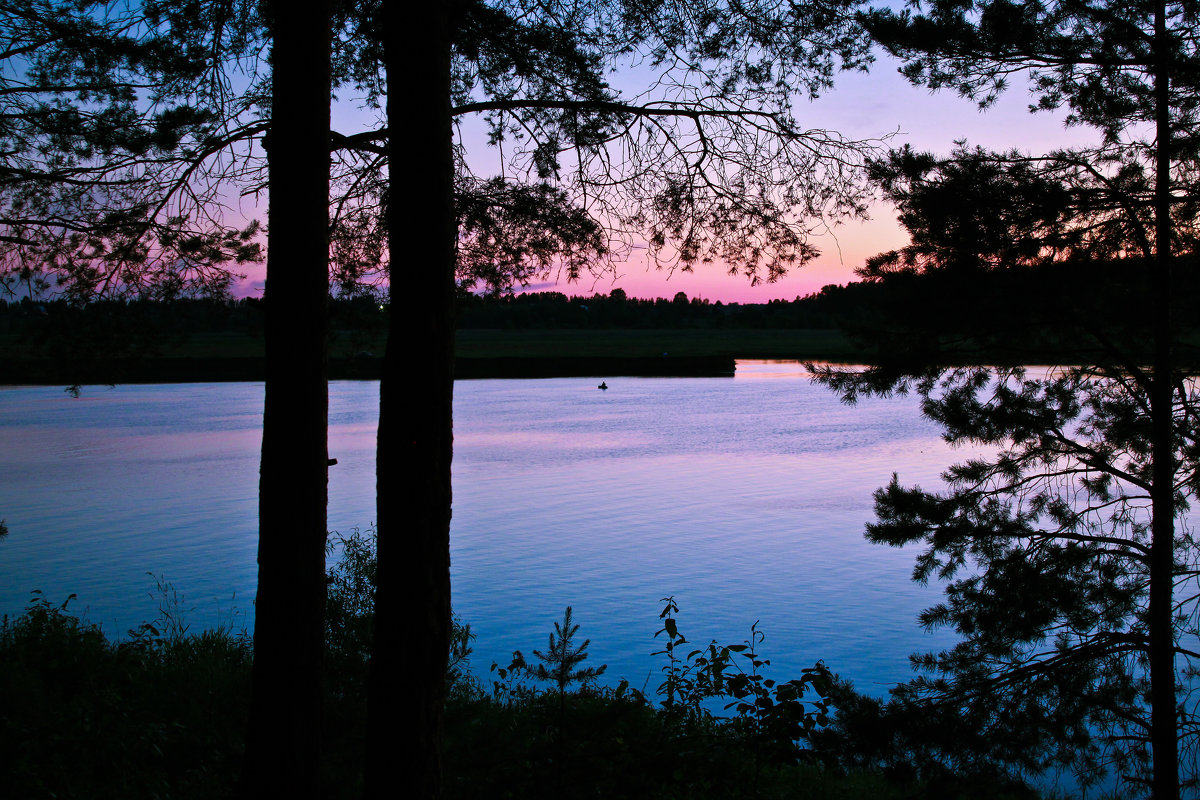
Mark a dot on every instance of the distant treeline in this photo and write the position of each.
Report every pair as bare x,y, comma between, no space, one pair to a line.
1025,299
831,307
114,317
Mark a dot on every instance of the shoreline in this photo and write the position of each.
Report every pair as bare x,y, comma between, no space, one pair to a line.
480,354
30,372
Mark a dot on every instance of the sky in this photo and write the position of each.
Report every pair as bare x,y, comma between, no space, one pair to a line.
870,105
860,106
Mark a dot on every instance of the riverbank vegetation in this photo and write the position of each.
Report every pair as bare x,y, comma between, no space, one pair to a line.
542,335
160,712
595,325
547,334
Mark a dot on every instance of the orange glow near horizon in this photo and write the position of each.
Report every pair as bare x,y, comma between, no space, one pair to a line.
842,252
861,107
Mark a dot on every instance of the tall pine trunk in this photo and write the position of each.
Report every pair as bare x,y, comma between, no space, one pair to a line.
1163,723
412,600
284,741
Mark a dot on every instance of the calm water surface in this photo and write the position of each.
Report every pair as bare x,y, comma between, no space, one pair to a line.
745,498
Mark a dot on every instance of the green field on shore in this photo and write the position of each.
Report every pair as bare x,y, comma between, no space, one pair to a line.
482,353
607,343
821,345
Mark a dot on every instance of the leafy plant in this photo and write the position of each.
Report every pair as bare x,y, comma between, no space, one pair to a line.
350,612
507,686
683,692
771,713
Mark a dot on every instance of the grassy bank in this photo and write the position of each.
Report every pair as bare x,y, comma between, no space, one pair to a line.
481,354
817,345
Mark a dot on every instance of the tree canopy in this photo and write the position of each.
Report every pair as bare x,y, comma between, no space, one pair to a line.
130,129
621,126
1064,544
118,128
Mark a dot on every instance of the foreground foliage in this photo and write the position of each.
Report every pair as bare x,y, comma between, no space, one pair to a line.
151,716
161,713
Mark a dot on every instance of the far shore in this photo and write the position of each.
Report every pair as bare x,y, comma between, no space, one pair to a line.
480,354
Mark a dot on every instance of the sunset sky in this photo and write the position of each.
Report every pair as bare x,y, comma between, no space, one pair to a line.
866,106
861,106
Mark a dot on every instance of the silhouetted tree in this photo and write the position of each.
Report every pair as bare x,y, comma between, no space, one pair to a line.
283,746
121,124
708,163
412,597
560,664
1061,545
117,121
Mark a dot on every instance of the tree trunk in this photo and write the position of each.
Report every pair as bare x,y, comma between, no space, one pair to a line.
1163,739
412,600
284,741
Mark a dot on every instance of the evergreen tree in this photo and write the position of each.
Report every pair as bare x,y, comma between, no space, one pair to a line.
283,749
560,664
562,655
118,126
706,163
1063,542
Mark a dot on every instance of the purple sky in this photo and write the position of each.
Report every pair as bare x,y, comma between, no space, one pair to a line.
861,106
867,106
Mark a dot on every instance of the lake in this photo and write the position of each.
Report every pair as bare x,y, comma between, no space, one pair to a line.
743,497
